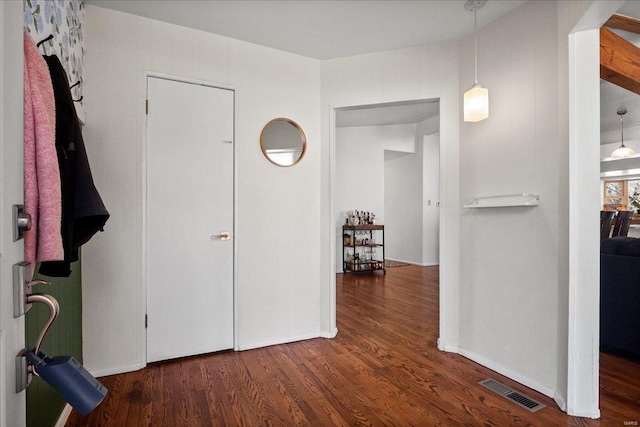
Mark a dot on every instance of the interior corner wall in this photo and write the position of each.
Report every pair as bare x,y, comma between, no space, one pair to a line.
511,259
425,72
403,197
277,284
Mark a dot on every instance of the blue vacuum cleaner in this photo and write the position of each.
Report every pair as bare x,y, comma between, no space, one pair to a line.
64,373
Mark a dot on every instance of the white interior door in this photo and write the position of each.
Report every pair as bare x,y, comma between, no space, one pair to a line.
189,205
12,404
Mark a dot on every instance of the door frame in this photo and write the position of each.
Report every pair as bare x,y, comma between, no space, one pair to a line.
583,299
448,318
143,299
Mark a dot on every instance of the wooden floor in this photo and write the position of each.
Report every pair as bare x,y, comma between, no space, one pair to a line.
382,369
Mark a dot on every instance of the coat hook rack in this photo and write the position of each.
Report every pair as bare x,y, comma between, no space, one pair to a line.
50,37
78,83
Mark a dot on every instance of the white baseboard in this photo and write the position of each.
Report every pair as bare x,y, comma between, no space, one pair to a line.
64,416
277,341
447,348
560,402
402,260
331,334
137,366
428,264
584,414
527,382
117,370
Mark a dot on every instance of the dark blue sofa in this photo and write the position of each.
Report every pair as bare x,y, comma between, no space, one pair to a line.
620,296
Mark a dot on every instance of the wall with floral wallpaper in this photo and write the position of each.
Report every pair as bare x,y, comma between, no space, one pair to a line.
64,19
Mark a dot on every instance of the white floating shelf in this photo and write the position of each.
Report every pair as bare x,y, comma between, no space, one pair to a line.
522,199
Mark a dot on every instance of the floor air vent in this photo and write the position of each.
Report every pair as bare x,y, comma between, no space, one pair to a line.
508,393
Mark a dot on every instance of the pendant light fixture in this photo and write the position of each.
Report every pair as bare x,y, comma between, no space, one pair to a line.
622,151
476,99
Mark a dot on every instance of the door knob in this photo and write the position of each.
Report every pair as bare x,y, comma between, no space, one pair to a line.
224,235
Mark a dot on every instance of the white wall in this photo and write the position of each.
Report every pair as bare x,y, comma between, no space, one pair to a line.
382,169
510,257
362,175
387,170
431,199
360,171
277,284
403,191
418,73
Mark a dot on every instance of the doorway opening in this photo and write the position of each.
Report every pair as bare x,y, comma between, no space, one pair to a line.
620,212
386,164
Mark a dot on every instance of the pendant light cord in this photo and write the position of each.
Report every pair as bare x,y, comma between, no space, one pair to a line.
621,131
475,42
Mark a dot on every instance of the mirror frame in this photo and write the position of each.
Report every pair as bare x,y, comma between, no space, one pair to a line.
303,138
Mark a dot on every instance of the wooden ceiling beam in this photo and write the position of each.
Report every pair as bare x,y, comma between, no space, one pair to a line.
619,61
621,22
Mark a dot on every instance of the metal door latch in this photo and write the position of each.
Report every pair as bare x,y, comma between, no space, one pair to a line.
22,285
224,235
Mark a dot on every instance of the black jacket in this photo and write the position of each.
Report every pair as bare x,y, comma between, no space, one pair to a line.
83,212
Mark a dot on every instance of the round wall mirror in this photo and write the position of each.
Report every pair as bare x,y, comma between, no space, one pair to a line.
283,142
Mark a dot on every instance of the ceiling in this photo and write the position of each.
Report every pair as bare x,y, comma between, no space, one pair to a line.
330,29
395,113
322,29
325,29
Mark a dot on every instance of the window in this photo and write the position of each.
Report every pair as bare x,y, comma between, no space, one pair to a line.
634,195
622,195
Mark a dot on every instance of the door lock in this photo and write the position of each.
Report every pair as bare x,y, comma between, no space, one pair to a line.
224,235
21,222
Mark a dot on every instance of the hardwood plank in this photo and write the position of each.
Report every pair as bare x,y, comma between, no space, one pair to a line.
383,368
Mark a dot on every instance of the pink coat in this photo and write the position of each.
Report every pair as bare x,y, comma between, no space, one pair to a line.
42,191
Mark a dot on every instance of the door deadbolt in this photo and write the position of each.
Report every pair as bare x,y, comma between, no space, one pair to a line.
21,222
224,235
